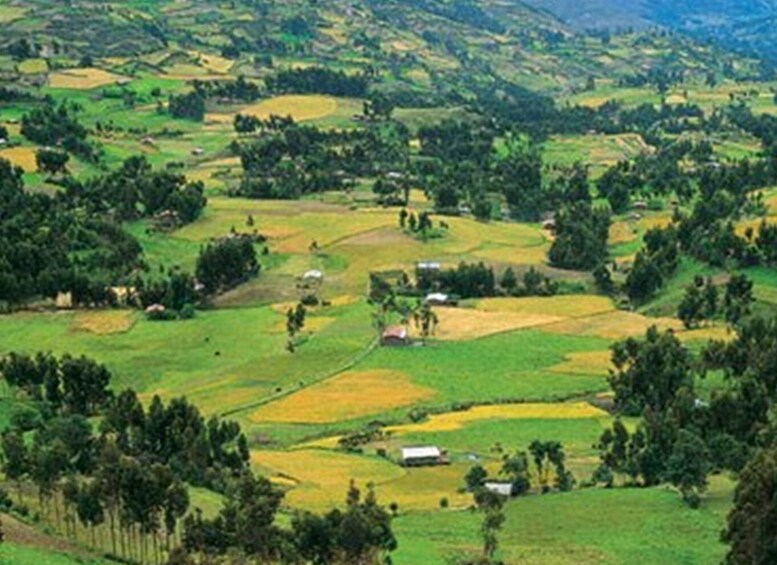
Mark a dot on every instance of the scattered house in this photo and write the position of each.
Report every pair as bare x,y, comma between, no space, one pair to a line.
422,456
125,295
700,404
393,175
313,276
428,266
358,118
155,309
440,299
198,151
166,220
64,301
123,81
395,336
549,225
640,205
502,489
635,217
3,142
148,140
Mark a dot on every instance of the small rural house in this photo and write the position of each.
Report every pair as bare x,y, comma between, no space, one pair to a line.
395,336
549,225
439,299
313,276
502,489
422,456
198,151
428,266
64,301
640,205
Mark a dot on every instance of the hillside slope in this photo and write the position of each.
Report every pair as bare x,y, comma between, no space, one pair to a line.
745,25
424,45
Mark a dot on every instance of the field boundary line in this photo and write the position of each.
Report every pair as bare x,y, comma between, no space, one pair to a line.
279,396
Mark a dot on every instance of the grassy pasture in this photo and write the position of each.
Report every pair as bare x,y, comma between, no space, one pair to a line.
648,526
598,151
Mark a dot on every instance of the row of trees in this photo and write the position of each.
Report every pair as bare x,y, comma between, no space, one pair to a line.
130,476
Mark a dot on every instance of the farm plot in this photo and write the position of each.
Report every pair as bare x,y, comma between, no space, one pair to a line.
301,108
83,79
348,396
23,157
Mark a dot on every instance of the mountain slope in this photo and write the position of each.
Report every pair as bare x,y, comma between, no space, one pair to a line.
421,44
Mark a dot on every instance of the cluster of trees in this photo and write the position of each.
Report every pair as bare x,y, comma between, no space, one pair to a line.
135,190
475,280
319,80
188,106
701,301
131,472
582,232
47,246
681,437
238,90
290,160
226,263
67,385
57,126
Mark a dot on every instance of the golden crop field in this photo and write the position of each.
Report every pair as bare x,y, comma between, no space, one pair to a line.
103,322
451,421
322,477
467,323
585,363
351,395
564,306
299,107
83,79
23,157
612,325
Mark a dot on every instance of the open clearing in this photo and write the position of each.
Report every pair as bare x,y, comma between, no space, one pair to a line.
83,79
564,306
345,397
613,325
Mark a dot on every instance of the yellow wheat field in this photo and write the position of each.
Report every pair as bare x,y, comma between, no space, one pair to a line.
566,306
23,157
322,477
451,421
612,325
83,79
319,479
465,323
299,107
585,363
353,394
213,63
103,322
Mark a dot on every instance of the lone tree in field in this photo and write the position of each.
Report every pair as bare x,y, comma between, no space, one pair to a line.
491,506
426,320
52,161
295,321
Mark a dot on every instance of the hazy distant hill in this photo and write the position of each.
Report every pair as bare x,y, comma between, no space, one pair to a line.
747,25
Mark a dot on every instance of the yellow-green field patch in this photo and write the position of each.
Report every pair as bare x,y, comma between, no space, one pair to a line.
299,107
11,13
83,79
564,306
585,363
103,322
33,66
451,421
345,397
23,157
612,325
467,323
